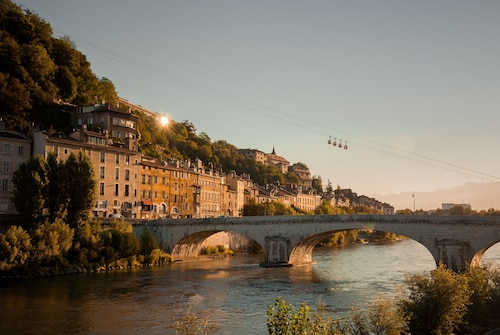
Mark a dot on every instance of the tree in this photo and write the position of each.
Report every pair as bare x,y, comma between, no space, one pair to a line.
317,184
435,303
48,189
15,248
36,68
80,187
30,192
52,241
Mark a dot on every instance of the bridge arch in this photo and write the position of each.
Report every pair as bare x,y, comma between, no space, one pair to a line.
302,252
191,246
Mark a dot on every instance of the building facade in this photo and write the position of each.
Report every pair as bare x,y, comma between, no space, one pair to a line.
15,149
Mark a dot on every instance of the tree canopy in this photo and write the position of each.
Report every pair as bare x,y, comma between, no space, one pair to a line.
37,69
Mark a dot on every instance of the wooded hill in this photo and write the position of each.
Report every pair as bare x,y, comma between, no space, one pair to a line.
42,78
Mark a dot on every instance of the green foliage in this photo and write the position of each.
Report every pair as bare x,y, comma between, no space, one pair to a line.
340,238
15,248
283,319
148,242
46,189
119,242
252,208
327,208
484,285
435,304
382,318
31,190
216,250
36,68
80,186
51,244
87,244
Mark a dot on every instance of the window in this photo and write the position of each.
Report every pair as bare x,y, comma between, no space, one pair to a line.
7,148
6,167
116,189
156,179
143,179
101,172
127,160
117,158
5,184
127,190
103,156
23,151
127,174
117,173
175,186
101,189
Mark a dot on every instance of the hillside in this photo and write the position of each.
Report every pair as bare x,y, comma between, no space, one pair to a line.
479,195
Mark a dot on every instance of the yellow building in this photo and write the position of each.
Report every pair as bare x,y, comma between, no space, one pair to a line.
166,189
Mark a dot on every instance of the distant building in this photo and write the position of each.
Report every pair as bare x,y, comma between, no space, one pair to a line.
302,172
448,206
278,161
15,149
256,155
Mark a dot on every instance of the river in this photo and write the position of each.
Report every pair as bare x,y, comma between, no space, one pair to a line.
234,291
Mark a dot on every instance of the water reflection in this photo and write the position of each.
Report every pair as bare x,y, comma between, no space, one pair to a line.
234,291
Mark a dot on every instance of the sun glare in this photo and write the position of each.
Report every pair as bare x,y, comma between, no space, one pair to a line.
164,120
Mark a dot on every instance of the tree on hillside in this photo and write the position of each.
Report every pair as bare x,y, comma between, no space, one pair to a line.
317,184
36,68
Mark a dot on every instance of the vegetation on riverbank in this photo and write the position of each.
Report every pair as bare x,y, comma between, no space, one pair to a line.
441,302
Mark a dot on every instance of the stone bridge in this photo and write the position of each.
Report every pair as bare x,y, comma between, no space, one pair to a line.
456,241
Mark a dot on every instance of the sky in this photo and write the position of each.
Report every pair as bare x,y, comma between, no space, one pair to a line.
411,86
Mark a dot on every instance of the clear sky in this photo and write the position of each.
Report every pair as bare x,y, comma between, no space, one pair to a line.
412,86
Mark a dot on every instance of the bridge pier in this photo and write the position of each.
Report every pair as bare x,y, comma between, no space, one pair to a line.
276,251
457,255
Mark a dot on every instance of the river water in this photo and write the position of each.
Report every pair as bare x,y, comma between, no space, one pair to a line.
234,292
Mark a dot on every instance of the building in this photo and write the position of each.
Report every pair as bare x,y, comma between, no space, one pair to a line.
166,189
278,161
235,194
266,159
108,135
210,192
253,154
15,149
302,172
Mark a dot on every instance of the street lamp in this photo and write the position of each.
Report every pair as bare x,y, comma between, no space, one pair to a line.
413,195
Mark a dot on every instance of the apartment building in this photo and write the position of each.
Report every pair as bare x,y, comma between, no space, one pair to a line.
235,194
166,189
15,149
210,189
116,168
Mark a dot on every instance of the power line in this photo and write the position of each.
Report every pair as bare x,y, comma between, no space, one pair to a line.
263,109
